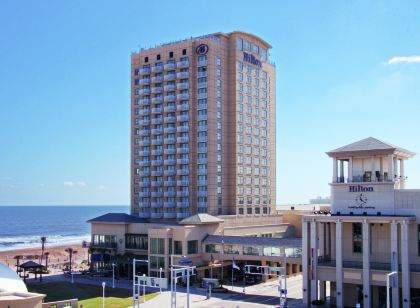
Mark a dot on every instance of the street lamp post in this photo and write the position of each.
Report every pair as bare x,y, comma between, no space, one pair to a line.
160,277
113,275
388,278
103,294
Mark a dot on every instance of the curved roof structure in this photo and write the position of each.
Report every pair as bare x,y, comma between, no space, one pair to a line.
10,281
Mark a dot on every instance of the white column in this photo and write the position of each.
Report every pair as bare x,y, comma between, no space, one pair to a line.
342,170
322,290
381,167
394,264
334,180
366,264
402,174
373,168
405,264
314,260
339,263
305,262
350,169
390,167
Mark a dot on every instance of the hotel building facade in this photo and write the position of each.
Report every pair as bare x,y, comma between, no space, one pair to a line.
203,132
372,230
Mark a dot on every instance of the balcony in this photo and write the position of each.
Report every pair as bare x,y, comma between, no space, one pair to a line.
169,141
200,182
169,108
182,215
182,150
182,129
182,64
169,77
202,150
201,74
202,160
201,117
144,122
182,204
202,204
144,194
201,95
169,98
169,215
144,81
169,204
170,194
157,152
169,151
144,214
182,75
182,183
201,106
144,184
157,162
169,66
157,194
144,163
183,96
157,90
169,130
170,119
156,215
144,153
144,112
183,161
157,99
202,171
157,183
157,173
170,183
182,107
169,161
157,79
145,101
182,193
202,127
144,173
202,139
202,85
202,193
182,117
144,204
202,63
183,139
145,132
157,110
145,143
156,141
157,68
145,70
157,121
169,87
182,85
102,245
183,172
144,91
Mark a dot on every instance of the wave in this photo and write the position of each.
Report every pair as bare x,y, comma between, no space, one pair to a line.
34,241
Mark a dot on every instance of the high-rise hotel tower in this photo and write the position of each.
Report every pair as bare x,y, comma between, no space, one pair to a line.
203,128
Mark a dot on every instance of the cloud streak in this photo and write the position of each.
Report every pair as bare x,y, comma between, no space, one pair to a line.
407,59
74,184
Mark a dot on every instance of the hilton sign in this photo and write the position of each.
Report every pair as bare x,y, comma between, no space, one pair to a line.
251,59
359,188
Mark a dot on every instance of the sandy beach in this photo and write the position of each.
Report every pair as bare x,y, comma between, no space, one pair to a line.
56,258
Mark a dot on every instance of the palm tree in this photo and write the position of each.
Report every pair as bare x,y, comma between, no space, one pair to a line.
18,257
71,252
46,260
43,240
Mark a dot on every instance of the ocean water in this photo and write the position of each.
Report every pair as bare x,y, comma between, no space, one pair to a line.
22,226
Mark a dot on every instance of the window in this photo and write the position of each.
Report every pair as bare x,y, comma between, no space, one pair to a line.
241,211
136,241
249,211
357,237
157,246
218,61
178,247
192,247
239,43
248,45
184,52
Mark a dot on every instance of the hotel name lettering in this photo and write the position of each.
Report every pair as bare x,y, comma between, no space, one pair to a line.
360,188
250,58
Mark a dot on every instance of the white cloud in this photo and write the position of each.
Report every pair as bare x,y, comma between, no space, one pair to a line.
69,183
75,184
81,184
408,59
101,187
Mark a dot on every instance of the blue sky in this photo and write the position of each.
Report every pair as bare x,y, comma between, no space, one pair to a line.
64,87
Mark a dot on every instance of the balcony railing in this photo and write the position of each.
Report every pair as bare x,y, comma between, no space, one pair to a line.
157,90
169,98
202,63
157,99
182,204
144,214
157,68
182,193
201,95
169,141
169,87
169,161
144,163
169,204
170,66
202,182
202,160
169,215
182,64
182,75
182,150
169,108
144,194
157,121
157,183
201,74
202,204
181,129
202,139
144,204
169,77
202,194
144,122
182,118
182,139
144,91
170,119
182,172
157,79
145,101
169,130
182,183
144,81
183,96
157,131
170,194
104,245
157,110
182,85
201,106
144,153
156,215
145,70
170,183
156,194
201,117
202,171
169,152
182,107
182,161
144,184
157,162
145,143
145,132
182,215
202,85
